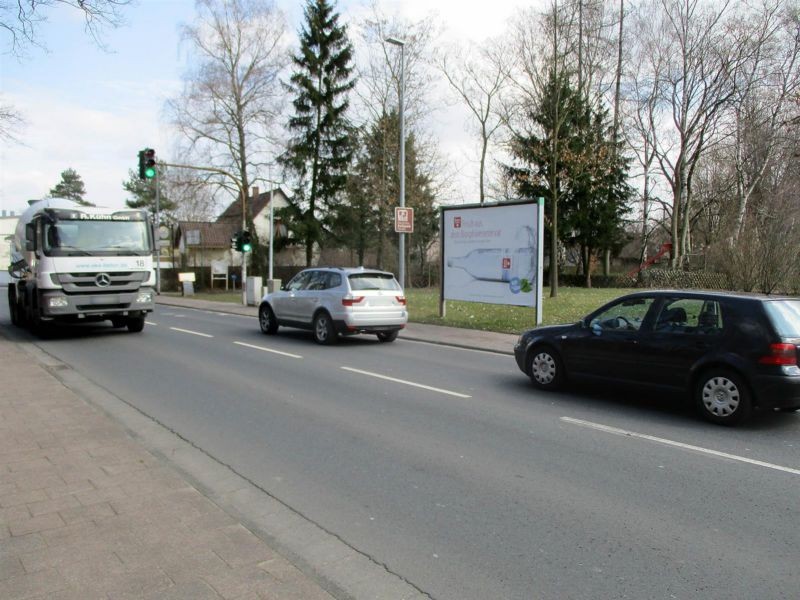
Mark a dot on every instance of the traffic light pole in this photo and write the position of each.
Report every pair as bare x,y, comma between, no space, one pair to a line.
158,236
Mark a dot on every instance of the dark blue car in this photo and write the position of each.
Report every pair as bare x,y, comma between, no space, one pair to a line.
729,352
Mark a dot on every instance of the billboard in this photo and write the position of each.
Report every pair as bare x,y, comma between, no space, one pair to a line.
492,253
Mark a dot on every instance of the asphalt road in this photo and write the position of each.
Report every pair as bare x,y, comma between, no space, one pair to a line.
446,466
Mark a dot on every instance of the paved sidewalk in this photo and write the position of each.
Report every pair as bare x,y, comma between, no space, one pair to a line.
87,513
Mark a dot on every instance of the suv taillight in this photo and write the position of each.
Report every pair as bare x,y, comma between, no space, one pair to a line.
350,300
784,355
401,300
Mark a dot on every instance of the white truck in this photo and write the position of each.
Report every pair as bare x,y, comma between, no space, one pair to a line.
75,263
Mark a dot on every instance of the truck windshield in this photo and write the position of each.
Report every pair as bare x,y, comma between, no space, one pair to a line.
85,237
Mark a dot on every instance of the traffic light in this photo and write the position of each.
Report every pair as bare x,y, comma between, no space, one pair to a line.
247,242
147,163
235,241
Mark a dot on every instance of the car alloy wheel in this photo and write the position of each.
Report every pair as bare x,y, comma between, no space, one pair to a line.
324,332
723,397
266,320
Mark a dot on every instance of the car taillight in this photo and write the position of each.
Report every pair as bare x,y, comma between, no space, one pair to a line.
350,300
401,300
780,354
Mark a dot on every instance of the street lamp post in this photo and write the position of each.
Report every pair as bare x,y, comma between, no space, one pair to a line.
402,241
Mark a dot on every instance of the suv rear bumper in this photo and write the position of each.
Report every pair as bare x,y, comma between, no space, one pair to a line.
345,328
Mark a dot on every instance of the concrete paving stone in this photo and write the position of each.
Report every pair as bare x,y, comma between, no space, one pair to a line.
139,583
300,589
66,534
181,567
327,551
100,573
241,549
10,566
55,505
4,532
70,488
22,454
68,455
195,590
12,546
208,520
60,557
15,499
72,594
40,480
8,488
36,524
232,583
24,586
82,513
14,513
280,568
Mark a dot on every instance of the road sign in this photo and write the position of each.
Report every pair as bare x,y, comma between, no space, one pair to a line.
403,219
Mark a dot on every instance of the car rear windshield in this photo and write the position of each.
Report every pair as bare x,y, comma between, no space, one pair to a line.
373,281
785,316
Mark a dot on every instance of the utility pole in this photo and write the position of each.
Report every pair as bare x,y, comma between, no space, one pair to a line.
402,241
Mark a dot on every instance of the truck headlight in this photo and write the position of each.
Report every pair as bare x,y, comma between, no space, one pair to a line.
144,298
57,302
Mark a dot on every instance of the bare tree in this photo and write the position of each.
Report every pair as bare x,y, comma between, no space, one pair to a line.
478,78
699,58
230,106
10,121
766,83
21,19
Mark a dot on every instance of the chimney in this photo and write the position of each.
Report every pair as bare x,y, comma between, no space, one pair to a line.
254,192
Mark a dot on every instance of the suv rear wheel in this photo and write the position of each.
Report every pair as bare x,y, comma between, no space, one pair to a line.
324,332
723,397
387,336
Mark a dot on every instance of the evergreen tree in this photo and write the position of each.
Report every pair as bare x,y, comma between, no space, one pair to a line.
143,194
321,148
366,216
578,165
70,187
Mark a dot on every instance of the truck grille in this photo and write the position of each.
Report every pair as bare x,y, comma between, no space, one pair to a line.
83,283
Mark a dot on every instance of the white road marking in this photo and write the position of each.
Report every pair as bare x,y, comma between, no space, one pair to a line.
403,381
192,332
626,433
151,323
290,355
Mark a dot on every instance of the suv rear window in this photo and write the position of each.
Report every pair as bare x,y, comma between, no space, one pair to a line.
785,317
373,281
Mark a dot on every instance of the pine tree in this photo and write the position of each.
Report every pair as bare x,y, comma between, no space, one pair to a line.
321,148
70,187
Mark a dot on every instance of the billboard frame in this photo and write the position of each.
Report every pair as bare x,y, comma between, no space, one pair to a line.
539,233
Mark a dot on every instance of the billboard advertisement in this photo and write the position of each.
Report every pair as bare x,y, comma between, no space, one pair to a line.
492,253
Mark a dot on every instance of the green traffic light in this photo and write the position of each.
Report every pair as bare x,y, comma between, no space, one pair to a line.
150,172
247,247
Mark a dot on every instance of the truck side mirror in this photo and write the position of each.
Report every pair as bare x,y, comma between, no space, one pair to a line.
30,237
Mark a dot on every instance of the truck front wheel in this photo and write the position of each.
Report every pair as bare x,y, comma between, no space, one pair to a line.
13,307
135,324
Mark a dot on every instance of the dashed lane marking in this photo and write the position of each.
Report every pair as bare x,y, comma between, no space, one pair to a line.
404,382
289,354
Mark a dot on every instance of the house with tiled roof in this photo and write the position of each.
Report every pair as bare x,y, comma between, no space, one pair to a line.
200,243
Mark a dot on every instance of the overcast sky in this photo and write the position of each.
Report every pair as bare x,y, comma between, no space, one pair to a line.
93,109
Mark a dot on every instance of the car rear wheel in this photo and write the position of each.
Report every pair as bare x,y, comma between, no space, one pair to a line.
266,319
387,336
324,333
722,397
545,368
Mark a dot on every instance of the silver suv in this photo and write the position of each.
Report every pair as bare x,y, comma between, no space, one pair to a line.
334,300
